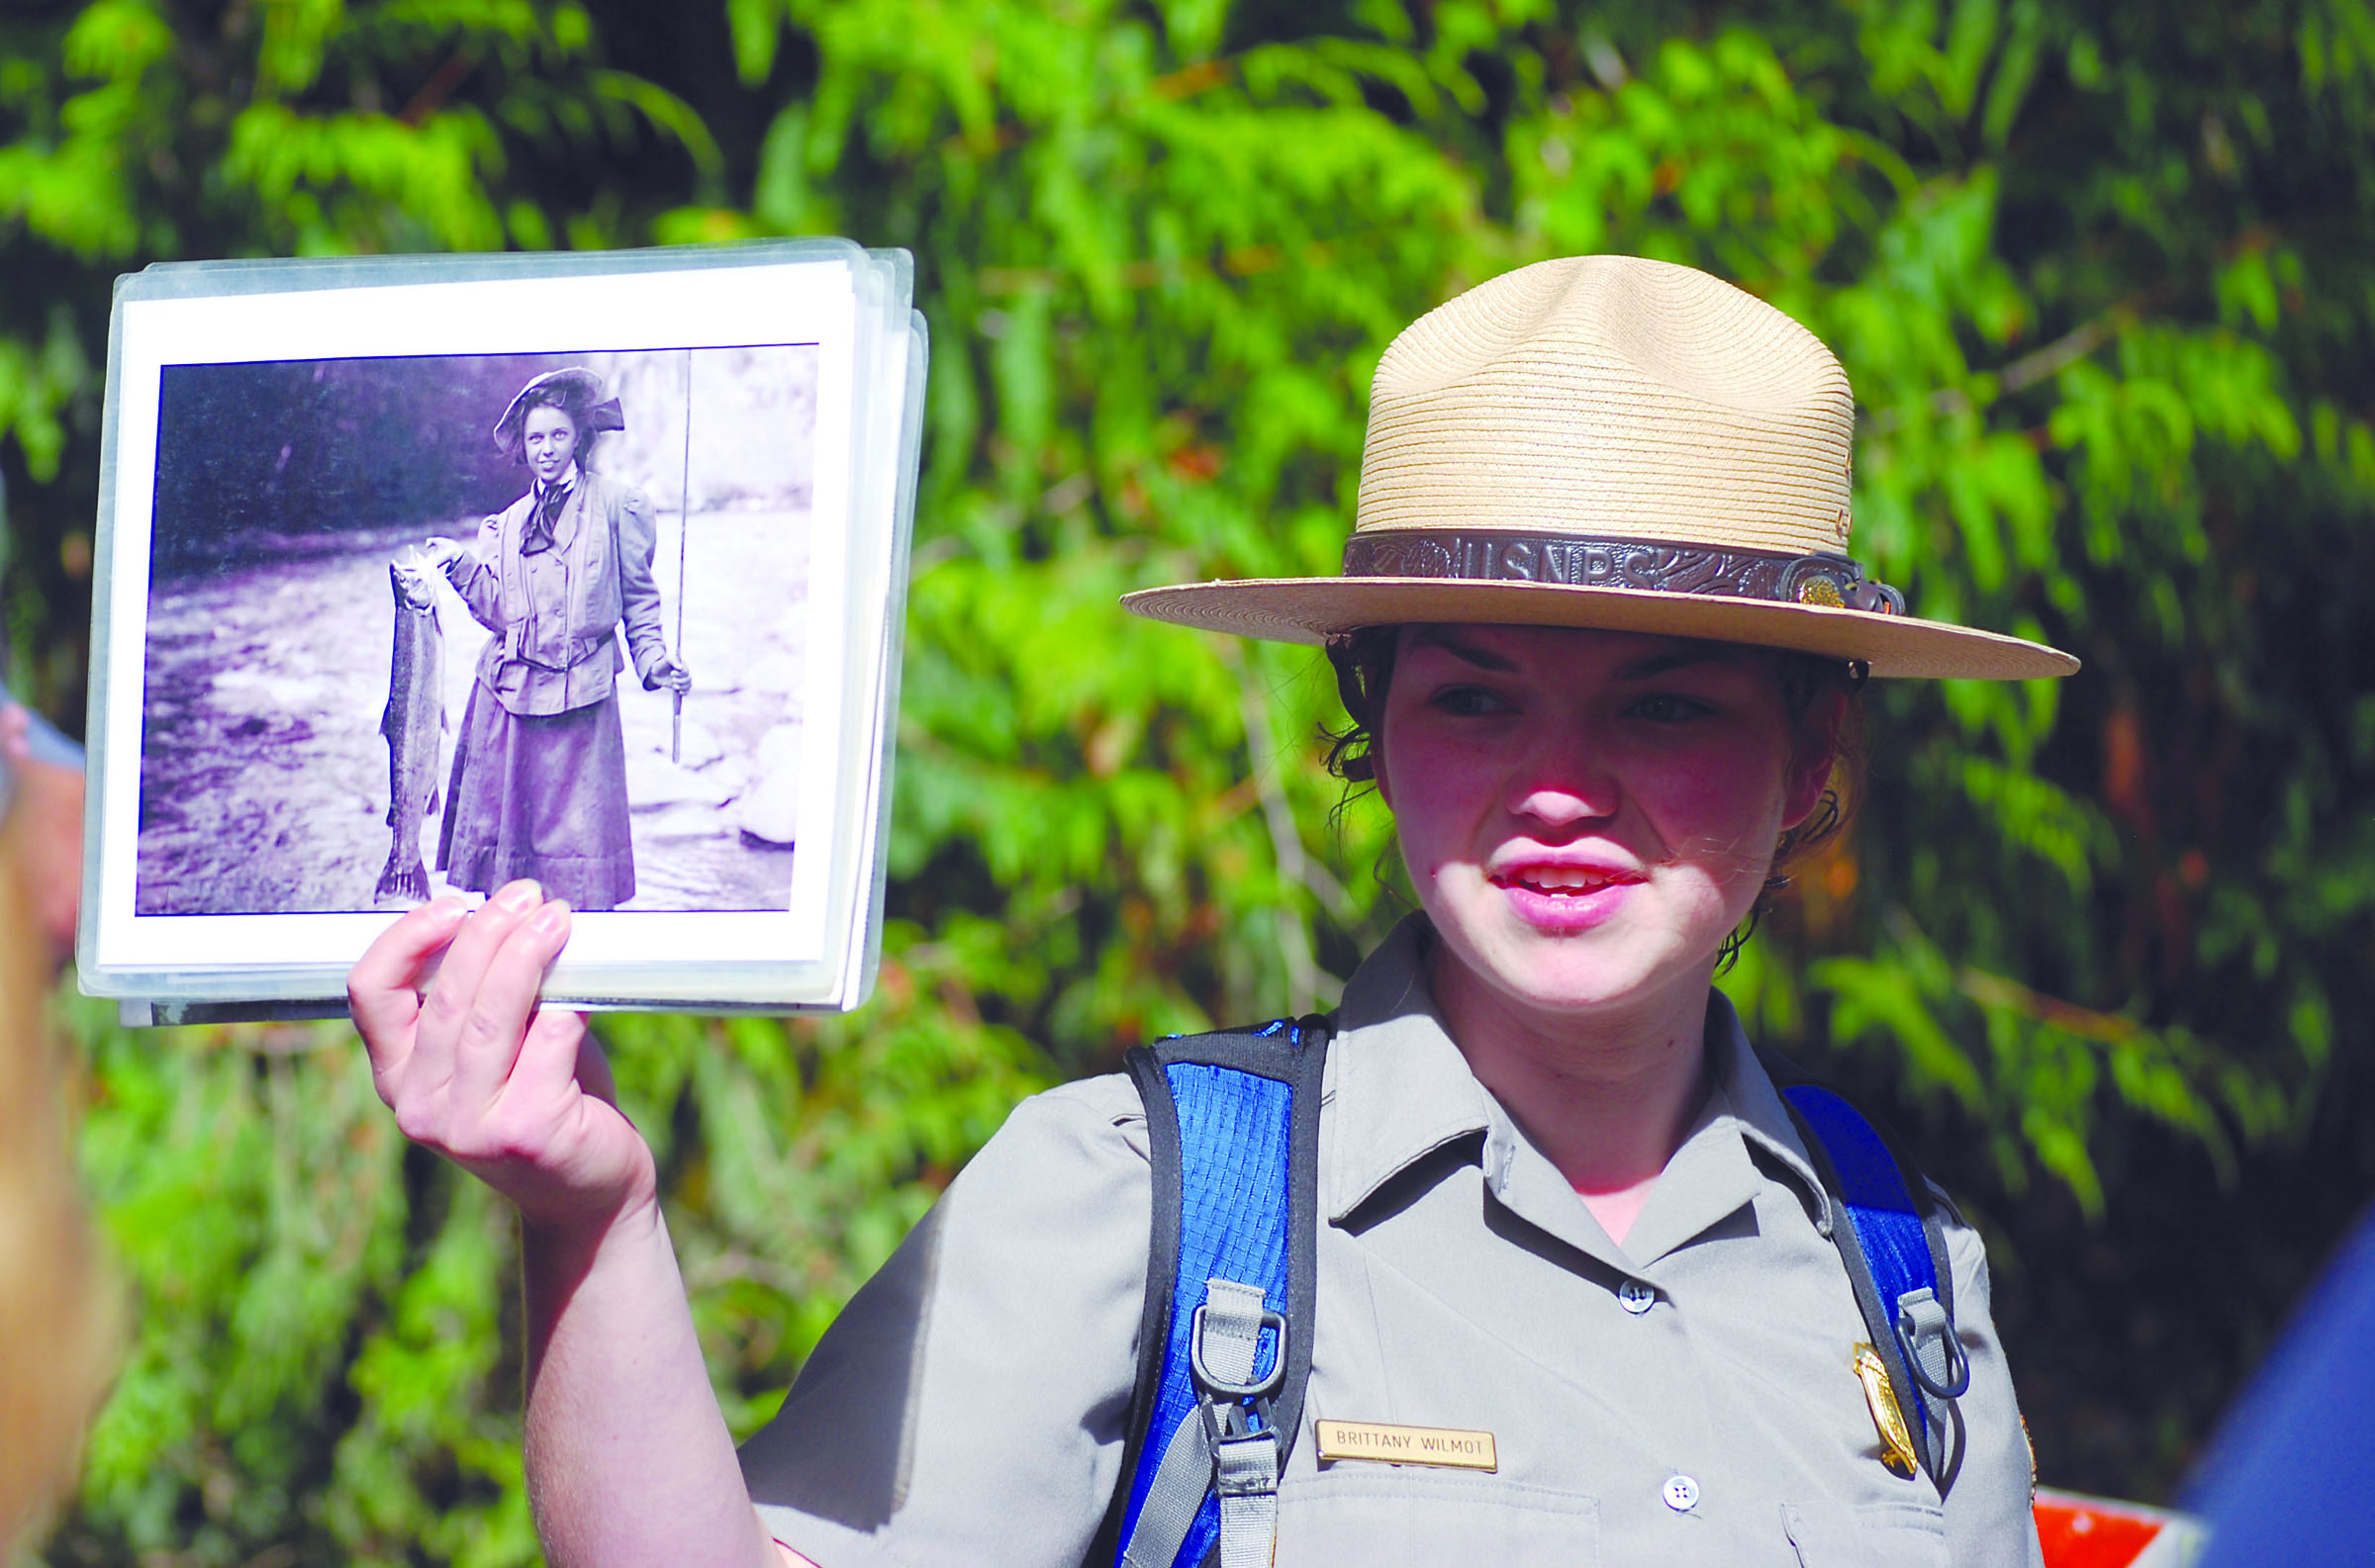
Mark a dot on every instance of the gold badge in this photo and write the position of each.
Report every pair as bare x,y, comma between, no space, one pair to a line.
1436,1445
1896,1440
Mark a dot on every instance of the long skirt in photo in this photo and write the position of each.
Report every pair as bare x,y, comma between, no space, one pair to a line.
541,795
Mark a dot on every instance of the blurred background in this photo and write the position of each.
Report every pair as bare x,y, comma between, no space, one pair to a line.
2104,276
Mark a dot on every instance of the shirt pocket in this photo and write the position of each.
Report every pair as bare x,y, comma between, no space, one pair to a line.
1371,1515
1875,1535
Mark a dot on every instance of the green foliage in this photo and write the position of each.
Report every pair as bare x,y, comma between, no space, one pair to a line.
2099,273
270,1224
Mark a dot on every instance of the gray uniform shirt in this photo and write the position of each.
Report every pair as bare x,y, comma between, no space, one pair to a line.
967,1408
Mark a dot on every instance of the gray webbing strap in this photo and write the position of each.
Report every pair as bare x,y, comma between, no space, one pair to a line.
1230,1338
1249,1500
1232,1330
1173,1498
1922,1324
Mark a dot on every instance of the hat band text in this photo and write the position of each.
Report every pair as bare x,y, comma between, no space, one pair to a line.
1493,555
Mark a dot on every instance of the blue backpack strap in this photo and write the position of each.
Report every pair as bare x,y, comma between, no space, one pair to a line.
1892,1240
1225,1339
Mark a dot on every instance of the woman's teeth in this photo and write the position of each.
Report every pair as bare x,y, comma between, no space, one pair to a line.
1549,879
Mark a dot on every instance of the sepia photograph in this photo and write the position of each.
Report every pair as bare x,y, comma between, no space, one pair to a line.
428,624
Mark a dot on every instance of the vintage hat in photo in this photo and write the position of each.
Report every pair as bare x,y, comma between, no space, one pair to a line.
1610,443
582,395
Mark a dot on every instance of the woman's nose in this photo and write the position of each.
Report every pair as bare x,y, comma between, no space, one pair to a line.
1566,774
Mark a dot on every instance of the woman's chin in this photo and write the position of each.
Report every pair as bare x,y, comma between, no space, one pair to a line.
1581,962
1579,991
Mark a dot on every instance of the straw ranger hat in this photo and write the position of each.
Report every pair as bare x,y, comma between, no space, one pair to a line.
1610,443
576,392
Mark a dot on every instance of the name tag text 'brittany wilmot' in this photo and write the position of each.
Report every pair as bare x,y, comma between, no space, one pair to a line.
1435,1445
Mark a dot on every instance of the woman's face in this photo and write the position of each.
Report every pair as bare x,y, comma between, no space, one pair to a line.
1588,814
550,437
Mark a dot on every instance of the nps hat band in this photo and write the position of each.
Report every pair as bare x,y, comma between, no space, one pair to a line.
1500,555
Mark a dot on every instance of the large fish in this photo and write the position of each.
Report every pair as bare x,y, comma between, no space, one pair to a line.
415,726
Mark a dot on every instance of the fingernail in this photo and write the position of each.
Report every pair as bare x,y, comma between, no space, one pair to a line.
552,916
520,896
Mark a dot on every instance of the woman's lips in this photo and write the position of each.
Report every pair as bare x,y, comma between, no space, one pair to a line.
1564,899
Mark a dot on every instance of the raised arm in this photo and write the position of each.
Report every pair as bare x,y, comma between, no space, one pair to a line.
629,1460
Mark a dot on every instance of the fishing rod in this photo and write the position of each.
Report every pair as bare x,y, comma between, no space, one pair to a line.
684,527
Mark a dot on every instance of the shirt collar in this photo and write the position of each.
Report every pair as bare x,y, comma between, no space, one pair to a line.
1713,1173
1752,1105
1400,1087
1402,1090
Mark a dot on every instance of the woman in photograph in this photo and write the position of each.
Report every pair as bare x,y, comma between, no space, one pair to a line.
1601,645
538,788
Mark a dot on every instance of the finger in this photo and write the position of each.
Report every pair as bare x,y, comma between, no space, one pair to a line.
380,987
16,733
454,994
497,1021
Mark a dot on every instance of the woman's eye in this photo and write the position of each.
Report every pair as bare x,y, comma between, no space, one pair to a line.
1664,708
1470,702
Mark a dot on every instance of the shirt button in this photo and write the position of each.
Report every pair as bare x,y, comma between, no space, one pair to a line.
1681,1493
1636,1297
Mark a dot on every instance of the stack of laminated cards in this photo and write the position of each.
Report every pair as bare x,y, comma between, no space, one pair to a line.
418,575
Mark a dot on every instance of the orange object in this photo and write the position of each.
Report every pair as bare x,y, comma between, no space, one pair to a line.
2094,1532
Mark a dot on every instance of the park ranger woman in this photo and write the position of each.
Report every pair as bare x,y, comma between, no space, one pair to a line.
1579,1292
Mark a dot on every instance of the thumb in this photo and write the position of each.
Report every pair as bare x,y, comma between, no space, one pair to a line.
593,1070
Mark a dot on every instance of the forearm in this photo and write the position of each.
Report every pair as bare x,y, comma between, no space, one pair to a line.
475,582
646,649
629,1460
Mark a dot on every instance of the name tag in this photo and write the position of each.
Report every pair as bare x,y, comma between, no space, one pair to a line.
1437,1445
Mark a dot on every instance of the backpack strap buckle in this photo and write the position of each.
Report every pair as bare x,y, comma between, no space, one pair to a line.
1932,1351
1244,1479
1224,1341
1224,1348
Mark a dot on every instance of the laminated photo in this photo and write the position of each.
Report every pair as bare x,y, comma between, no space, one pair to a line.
416,583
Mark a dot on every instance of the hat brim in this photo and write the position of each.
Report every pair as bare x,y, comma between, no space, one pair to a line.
1312,609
